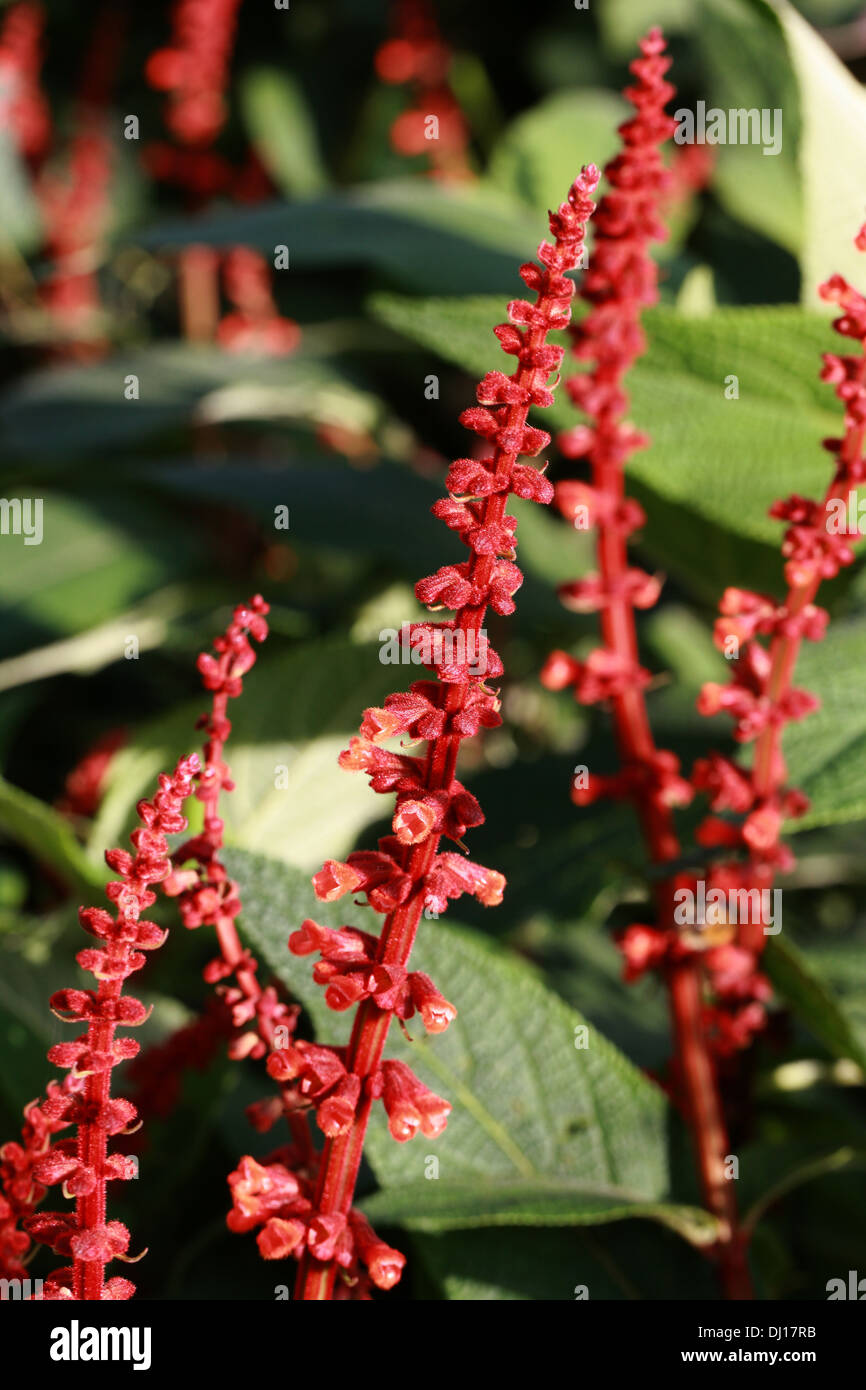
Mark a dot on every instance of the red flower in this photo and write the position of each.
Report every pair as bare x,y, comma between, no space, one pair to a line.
24,109
256,325
434,124
20,1190
194,69
82,790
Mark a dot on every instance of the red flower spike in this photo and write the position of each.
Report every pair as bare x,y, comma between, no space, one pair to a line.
407,874
760,696
84,1166
762,700
619,284
249,1013
415,54
27,114
194,69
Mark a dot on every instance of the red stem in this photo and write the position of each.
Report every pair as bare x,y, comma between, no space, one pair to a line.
636,745
88,1278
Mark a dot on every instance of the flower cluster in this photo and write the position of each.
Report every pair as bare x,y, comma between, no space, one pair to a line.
83,1164
408,874
416,55
717,991
74,206
277,1198
255,325
194,68
82,789
620,281
251,1015
25,111
20,1190
72,193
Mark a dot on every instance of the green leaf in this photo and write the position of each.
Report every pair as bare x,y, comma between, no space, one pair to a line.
805,1172
800,982
360,511
542,151
295,716
624,1261
623,22
729,459
444,1206
762,54
95,557
826,753
70,410
282,130
48,836
100,646
444,240
832,156
34,962
533,1114
20,220
748,67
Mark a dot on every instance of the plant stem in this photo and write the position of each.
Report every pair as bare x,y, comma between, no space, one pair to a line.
684,983
88,1279
199,293
704,1114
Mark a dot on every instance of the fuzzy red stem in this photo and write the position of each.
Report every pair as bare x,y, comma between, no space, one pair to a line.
88,1278
230,945
702,1101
